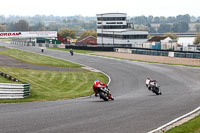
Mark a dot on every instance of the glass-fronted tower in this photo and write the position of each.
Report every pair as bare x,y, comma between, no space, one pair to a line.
113,28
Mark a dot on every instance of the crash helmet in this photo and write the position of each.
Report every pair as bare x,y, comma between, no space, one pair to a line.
96,81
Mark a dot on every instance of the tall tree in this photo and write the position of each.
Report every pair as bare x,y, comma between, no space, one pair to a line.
53,26
180,27
171,19
68,33
197,39
163,19
22,25
39,27
172,36
164,28
150,19
183,18
10,26
151,29
2,28
140,20
156,20
88,33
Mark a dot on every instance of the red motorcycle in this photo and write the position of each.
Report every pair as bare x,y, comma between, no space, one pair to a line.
103,90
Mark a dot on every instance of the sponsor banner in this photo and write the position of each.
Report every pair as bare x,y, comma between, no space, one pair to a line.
28,34
61,46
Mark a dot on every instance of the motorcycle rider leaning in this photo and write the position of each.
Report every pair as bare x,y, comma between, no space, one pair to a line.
98,84
148,81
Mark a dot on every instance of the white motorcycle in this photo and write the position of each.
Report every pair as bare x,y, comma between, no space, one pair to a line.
153,86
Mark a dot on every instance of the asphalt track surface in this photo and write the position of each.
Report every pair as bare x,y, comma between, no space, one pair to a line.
135,109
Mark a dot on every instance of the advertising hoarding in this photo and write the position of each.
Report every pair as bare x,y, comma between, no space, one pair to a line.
28,34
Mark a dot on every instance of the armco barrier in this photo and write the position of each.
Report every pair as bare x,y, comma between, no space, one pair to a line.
13,91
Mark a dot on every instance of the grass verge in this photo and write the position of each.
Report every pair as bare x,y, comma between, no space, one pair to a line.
50,85
32,58
192,126
54,85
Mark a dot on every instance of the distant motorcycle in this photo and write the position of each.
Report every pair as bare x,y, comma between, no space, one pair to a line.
153,86
71,52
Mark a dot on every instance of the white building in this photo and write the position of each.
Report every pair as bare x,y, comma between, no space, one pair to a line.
113,28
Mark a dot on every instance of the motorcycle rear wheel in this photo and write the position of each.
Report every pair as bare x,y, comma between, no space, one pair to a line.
102,95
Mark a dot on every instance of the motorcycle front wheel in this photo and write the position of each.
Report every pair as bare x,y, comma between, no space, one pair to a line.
102,95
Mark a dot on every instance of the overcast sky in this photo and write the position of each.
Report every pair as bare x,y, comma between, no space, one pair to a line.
93,7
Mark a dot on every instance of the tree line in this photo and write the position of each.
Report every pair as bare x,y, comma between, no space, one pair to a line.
47,23
179,23
78,24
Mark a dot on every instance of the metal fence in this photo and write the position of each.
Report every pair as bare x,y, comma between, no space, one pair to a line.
161,53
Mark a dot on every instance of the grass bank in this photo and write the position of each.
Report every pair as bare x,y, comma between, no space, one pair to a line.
192,126
50,85
32,58
54,85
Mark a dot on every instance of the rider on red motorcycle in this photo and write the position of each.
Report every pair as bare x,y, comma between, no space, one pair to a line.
98,84
103,90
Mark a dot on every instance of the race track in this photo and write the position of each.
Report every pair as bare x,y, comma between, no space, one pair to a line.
135,109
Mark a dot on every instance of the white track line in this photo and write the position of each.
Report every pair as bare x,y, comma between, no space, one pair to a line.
175,120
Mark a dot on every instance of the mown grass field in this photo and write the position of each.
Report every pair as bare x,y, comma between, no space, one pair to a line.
37,59
54,85
193,126
50,85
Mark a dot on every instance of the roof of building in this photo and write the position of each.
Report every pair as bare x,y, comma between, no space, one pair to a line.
111,13
156,39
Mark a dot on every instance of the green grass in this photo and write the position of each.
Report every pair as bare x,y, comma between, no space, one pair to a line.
192,126
37,59
54,85
50,85
76,50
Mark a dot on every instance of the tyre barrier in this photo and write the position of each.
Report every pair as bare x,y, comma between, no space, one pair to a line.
13,91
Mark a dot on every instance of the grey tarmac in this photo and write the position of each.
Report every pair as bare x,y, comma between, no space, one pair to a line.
135,109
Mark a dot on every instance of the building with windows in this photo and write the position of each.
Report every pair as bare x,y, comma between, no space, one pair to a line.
113,29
